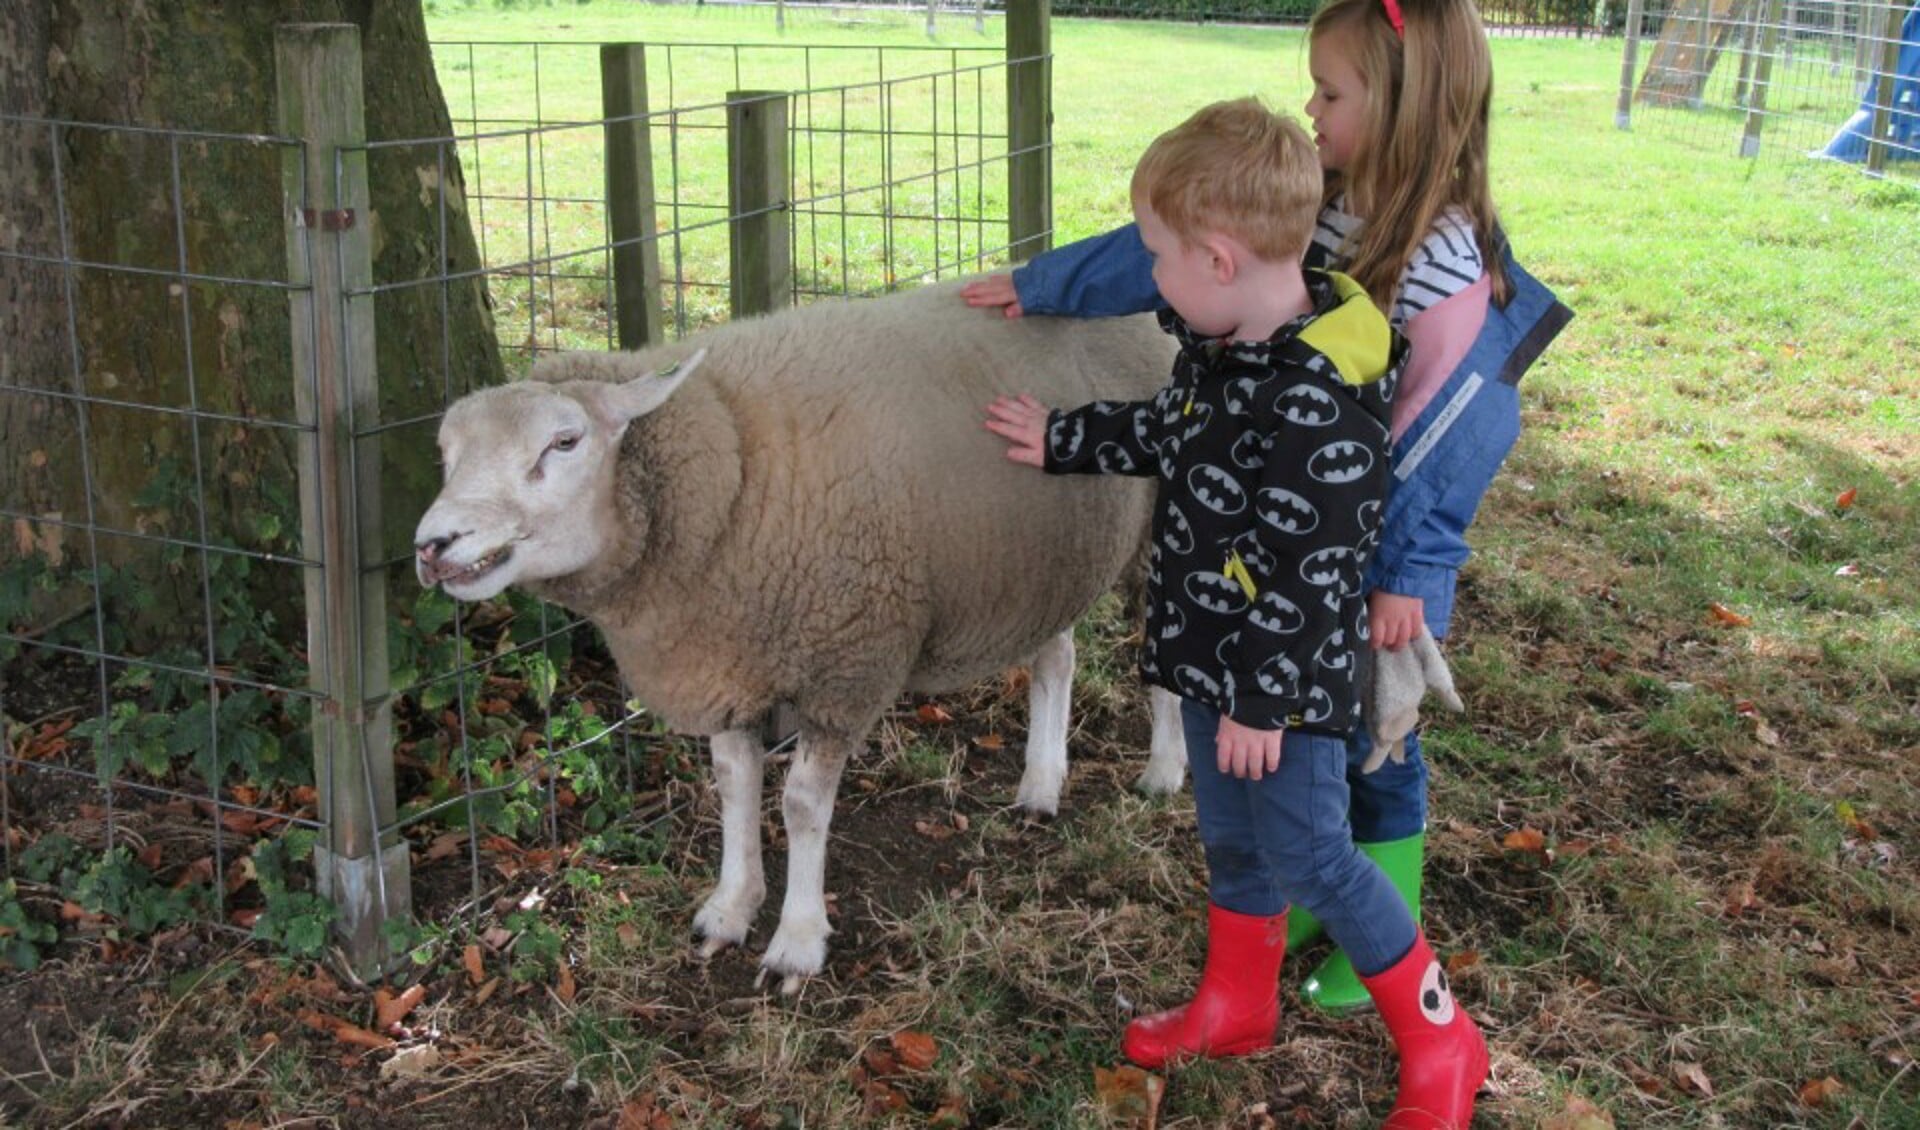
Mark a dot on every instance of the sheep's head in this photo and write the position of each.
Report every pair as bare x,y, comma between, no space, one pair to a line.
528,479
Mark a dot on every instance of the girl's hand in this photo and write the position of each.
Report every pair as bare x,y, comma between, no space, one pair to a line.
1022,421
1245,752
1393,621
994,290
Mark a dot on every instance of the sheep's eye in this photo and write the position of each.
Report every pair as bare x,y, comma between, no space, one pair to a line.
566,442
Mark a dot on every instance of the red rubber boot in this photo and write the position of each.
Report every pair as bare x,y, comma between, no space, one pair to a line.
1237,1005
1443,1058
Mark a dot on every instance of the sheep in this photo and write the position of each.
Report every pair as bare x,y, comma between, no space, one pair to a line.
806,508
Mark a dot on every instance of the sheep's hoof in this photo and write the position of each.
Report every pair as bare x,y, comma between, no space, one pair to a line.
798,951
789,984
711,947
1040,798
1160,780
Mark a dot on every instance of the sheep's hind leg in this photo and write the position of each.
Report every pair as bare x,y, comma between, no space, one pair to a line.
799,947
739,763
1049,703
1166,767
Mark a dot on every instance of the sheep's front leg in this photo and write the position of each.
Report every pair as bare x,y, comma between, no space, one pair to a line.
1167,760
1049,702
799,947
739,766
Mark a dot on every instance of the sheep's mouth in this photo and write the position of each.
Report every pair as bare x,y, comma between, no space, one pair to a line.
467,574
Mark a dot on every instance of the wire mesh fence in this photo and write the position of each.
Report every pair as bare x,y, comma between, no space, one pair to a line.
1832,79
210,631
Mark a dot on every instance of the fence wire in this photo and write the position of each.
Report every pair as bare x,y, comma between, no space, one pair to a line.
1822,79
158,688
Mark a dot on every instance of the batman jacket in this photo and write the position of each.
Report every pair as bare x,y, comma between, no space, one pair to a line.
1272,461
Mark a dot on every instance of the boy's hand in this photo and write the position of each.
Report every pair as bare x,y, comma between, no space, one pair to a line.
1393,620
994,290
1023,421
1245,752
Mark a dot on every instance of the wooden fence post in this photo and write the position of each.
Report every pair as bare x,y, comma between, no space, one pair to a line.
1883,86
1762,80
761,278
630,214
1629,63
362,864
1029,128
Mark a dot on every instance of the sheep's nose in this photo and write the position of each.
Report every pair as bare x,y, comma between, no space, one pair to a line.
429,550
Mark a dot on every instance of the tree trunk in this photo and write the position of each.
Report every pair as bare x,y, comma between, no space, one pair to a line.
151,206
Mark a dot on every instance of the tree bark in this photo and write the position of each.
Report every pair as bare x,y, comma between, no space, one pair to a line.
151,206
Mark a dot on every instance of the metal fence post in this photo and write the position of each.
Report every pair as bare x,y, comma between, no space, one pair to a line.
330,262
1629,62
630,215
1884,85
761,278
1029,128
1762,80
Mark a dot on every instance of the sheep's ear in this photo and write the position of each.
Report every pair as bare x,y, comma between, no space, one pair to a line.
624,403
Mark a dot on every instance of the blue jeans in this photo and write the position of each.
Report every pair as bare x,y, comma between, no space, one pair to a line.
1389,803
1285,839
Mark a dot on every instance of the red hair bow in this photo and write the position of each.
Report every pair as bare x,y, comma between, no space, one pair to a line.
1395,17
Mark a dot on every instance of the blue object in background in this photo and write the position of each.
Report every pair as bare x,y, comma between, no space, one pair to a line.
1903,134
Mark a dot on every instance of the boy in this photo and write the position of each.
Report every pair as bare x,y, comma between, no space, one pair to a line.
1271,446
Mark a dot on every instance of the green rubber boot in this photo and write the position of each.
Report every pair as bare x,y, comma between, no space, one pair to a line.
1334,987
1303,929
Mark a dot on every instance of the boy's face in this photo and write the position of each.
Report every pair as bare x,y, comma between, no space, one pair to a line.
1339,103
1187,276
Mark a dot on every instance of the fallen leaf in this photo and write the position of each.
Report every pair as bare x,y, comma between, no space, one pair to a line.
476,966
1527,839
1462,961
486,991
933,831
1579,1114
990,743
951,1114
565,989
1817,1091
1845,500
1692,1077
1130,1094
916,1051
1741,898
411,1063
390,1009
1724,615
643,1114
932,714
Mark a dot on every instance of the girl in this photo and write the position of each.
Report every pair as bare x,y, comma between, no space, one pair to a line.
1402,90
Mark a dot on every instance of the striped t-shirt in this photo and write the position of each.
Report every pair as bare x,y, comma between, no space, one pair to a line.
1446,262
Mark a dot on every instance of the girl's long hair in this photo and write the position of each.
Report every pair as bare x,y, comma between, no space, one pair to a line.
1425,149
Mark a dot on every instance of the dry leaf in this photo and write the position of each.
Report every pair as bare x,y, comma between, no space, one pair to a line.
1130,1094
411,1063
1461,962
916,1051
486,991
565,989
932,714
1741,898
990,743
643,1114
1692,1077
1845,501
1723,615
389,1009
1526,839
933,831
1580,1114
1816,1091
476,966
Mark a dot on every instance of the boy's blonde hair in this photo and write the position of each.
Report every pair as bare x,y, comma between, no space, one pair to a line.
1429,93
1239,169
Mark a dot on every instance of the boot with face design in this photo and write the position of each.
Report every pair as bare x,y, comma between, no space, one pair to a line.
1443,1058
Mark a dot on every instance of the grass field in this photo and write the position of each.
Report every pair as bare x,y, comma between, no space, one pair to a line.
1675,839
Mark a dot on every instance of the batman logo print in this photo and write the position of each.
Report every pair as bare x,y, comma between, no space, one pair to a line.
1326,567
1240,393
1278,676
1342,461
1172,621
1334,654
1113,459
1276,614
1196,421
1196,684
1176,534
1213,592
1065,437
1249,452
1216,490
1284,511
1319,707
1308,406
